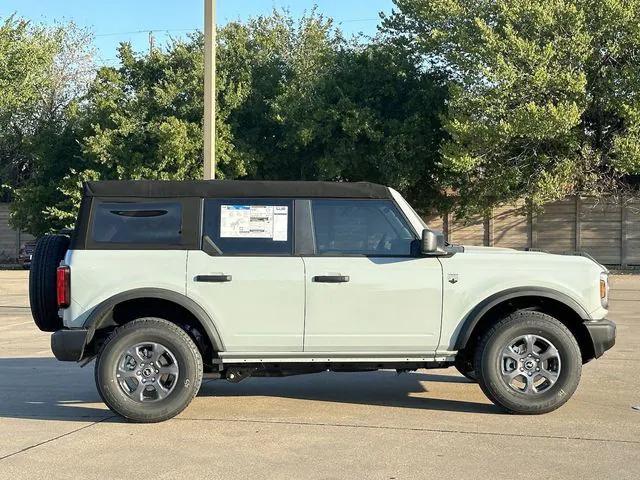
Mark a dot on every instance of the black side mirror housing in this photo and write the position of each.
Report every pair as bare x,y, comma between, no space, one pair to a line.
432,243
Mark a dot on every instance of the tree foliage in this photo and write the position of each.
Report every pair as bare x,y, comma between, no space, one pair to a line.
319,106
544,94
295,100
43,73
456,103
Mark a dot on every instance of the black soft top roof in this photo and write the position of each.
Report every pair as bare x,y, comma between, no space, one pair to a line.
233,188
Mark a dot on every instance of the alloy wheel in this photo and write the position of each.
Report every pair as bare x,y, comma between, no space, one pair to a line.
147,372
530,364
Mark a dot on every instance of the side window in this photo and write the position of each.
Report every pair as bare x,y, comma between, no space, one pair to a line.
138,223
250,226
360,227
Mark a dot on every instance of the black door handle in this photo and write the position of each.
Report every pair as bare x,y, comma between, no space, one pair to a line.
331,278
213,278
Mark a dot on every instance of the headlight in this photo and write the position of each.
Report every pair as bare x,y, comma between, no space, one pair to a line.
604,289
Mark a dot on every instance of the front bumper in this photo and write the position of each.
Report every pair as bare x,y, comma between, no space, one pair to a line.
603,335
68,345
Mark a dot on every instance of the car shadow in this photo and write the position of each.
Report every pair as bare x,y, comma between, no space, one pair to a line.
46,389
380,388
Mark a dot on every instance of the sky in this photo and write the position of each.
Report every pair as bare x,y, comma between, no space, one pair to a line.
115,21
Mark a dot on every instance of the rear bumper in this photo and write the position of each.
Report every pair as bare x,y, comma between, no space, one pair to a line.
68,345
603,335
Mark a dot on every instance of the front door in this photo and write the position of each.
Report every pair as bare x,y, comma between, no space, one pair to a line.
366,289
246,277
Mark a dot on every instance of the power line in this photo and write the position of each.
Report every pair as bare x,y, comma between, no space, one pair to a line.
167,30
153,30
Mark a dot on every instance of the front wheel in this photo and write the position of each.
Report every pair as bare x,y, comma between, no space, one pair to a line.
528,363
148,370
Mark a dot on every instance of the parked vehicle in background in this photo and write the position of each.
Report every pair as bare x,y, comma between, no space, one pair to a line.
164,282
26,253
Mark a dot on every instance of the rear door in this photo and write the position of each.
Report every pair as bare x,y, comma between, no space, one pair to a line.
367,289
246,276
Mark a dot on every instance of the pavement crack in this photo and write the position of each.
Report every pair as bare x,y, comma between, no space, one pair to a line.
413,429
30,447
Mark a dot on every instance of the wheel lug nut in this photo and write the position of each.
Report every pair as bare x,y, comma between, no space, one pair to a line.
537,369
157,371
522,369
138,373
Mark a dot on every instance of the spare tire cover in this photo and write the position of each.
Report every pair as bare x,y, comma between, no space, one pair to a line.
50,250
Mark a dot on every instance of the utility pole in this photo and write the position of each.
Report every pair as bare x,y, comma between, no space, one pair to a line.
209,89
152,42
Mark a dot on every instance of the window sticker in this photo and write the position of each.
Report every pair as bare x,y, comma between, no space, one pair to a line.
254,221
280,223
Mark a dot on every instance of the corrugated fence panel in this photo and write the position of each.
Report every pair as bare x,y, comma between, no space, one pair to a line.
435,222
632,237
600,229
605,228
470,232
510,226
555,228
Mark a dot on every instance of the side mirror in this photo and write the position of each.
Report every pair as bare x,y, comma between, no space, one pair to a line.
432,243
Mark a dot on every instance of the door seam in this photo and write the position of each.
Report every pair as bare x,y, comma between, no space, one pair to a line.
442,287
304,304
186,274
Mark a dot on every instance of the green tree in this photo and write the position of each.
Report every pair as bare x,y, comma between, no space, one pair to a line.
321,107
544,96
143,120
25,55
295,100
43,72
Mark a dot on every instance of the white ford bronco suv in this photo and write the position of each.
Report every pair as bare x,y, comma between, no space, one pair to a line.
167,282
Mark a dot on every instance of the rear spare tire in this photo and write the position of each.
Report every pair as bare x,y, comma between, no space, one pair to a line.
50,250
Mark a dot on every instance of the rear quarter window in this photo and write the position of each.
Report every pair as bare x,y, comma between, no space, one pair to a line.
137,223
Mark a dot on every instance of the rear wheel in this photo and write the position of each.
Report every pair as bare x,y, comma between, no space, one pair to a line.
528,363
148,370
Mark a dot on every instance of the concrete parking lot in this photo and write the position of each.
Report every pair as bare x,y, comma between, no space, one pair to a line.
429,424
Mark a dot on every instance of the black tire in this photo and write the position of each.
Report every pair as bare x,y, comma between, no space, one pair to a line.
488,364
168,335
464,364
49,251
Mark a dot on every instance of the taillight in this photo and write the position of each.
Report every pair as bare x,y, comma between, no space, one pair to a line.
63,286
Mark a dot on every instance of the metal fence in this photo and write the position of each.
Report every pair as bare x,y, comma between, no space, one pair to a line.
607,228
